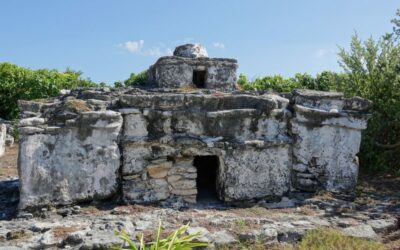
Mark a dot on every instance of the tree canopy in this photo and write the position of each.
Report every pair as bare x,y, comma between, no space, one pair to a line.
17,83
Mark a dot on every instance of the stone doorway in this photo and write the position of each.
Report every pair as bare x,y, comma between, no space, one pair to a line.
199,78
206,181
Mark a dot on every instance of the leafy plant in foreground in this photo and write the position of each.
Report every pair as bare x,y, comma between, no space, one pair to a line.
178,240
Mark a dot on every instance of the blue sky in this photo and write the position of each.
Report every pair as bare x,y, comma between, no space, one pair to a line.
108,40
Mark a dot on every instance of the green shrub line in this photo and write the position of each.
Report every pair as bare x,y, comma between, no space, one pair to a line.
133,80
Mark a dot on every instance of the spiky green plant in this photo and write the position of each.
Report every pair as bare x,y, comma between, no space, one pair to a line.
178,240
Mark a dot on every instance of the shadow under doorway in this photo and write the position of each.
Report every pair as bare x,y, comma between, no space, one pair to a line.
199,78
207,169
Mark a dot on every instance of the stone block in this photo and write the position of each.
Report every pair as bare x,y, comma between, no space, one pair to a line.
135,158
249,174
77,164
184,192
173,178
159,170
183,184
360,231
383,225
135,125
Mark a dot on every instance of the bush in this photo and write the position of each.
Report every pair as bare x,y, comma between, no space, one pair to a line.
373,70
133,80
17,83
325,81
178,240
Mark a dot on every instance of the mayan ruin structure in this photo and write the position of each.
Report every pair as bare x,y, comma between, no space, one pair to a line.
187,135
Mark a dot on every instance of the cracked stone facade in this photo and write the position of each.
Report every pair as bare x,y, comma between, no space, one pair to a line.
140,145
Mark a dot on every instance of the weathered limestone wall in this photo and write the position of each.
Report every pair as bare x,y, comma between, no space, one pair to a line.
256,173
327,130
77,162
141,145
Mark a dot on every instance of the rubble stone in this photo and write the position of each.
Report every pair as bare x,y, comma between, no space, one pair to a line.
360,231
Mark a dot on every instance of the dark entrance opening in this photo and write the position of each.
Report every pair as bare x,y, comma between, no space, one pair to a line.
207,169
199,78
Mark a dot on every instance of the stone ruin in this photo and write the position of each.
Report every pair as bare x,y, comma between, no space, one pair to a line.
186,138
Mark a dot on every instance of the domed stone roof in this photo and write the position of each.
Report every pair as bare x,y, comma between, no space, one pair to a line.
191,51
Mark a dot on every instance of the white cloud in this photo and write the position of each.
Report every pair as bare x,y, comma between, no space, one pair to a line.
169,52
134,47
158,52
137,48
154,52
219,45
321,53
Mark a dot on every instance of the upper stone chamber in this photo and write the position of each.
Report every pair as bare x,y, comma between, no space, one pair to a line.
191,51
191,67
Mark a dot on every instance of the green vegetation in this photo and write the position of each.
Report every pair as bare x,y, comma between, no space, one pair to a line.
133,80
178,240
322,239
17,83
372,71
324,81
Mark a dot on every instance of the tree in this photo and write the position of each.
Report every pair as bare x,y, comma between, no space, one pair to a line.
396,24
17,83
136,79
244,82
373,70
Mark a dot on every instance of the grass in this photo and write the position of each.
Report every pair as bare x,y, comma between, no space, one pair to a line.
77,106
241,223
247,246
188,89
330,239
18,235
43,100
61,232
